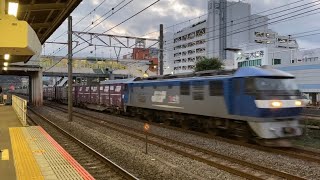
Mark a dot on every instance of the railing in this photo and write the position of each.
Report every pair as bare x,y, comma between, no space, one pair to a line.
20,107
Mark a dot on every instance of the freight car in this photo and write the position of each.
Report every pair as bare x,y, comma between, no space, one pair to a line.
252,103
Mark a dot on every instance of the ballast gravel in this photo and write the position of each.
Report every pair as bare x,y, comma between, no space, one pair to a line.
130,154
177,165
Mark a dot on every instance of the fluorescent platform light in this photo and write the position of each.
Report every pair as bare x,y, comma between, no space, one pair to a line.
7,57
13,9
5,64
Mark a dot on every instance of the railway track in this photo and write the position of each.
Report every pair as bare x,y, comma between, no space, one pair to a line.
95,163
293,152
220,161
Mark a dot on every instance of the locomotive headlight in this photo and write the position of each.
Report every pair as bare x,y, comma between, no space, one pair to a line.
276,104
298,103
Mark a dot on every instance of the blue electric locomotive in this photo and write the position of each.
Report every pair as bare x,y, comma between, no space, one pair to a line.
253,103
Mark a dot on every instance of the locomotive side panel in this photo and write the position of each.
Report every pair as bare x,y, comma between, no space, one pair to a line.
192,98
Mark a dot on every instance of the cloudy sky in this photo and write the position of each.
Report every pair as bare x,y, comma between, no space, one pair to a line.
173,12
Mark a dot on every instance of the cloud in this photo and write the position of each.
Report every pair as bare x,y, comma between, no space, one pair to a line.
169,12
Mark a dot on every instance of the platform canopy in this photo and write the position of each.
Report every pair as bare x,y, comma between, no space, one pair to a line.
44,16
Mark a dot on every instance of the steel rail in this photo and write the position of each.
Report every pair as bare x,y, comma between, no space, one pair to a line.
119,170
98,121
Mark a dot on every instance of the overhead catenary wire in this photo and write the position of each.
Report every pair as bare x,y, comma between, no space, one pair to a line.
251,28
290,17
126,19
253,44
188,20
207,13
288,4
167,27
111,10
262,45
221,28
84,17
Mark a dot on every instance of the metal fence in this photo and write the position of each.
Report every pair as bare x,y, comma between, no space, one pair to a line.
20,107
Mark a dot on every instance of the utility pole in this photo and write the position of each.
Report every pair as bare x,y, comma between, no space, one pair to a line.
70,80
161,49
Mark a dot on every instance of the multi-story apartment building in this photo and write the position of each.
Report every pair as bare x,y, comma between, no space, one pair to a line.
187,47
228,25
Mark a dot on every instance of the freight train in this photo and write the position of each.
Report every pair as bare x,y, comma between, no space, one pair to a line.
251,103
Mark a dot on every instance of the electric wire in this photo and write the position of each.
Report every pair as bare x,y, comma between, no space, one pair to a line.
80,20
262,24
222,28
114,26
64,46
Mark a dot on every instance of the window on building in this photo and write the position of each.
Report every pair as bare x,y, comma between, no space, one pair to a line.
276,61
316,59
185,88
216,88
258,62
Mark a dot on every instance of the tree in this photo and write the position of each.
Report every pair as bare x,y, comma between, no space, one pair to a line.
209,64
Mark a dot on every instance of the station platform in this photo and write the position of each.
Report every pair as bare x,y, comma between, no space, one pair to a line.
31,153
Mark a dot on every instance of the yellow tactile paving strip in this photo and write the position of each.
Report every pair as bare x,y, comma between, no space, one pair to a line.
25,164
52,163
35,157
38,154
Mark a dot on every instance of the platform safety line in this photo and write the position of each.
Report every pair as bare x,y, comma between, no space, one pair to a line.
84,173
25,164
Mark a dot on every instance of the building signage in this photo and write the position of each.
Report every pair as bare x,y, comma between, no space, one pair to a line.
252,55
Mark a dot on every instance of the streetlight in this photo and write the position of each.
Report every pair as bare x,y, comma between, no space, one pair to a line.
5,64
5,68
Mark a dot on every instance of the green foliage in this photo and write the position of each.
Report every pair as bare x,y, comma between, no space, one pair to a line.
209,64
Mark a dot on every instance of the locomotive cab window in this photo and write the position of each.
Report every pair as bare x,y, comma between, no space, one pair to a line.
185,88
237,85
249,86
216,88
